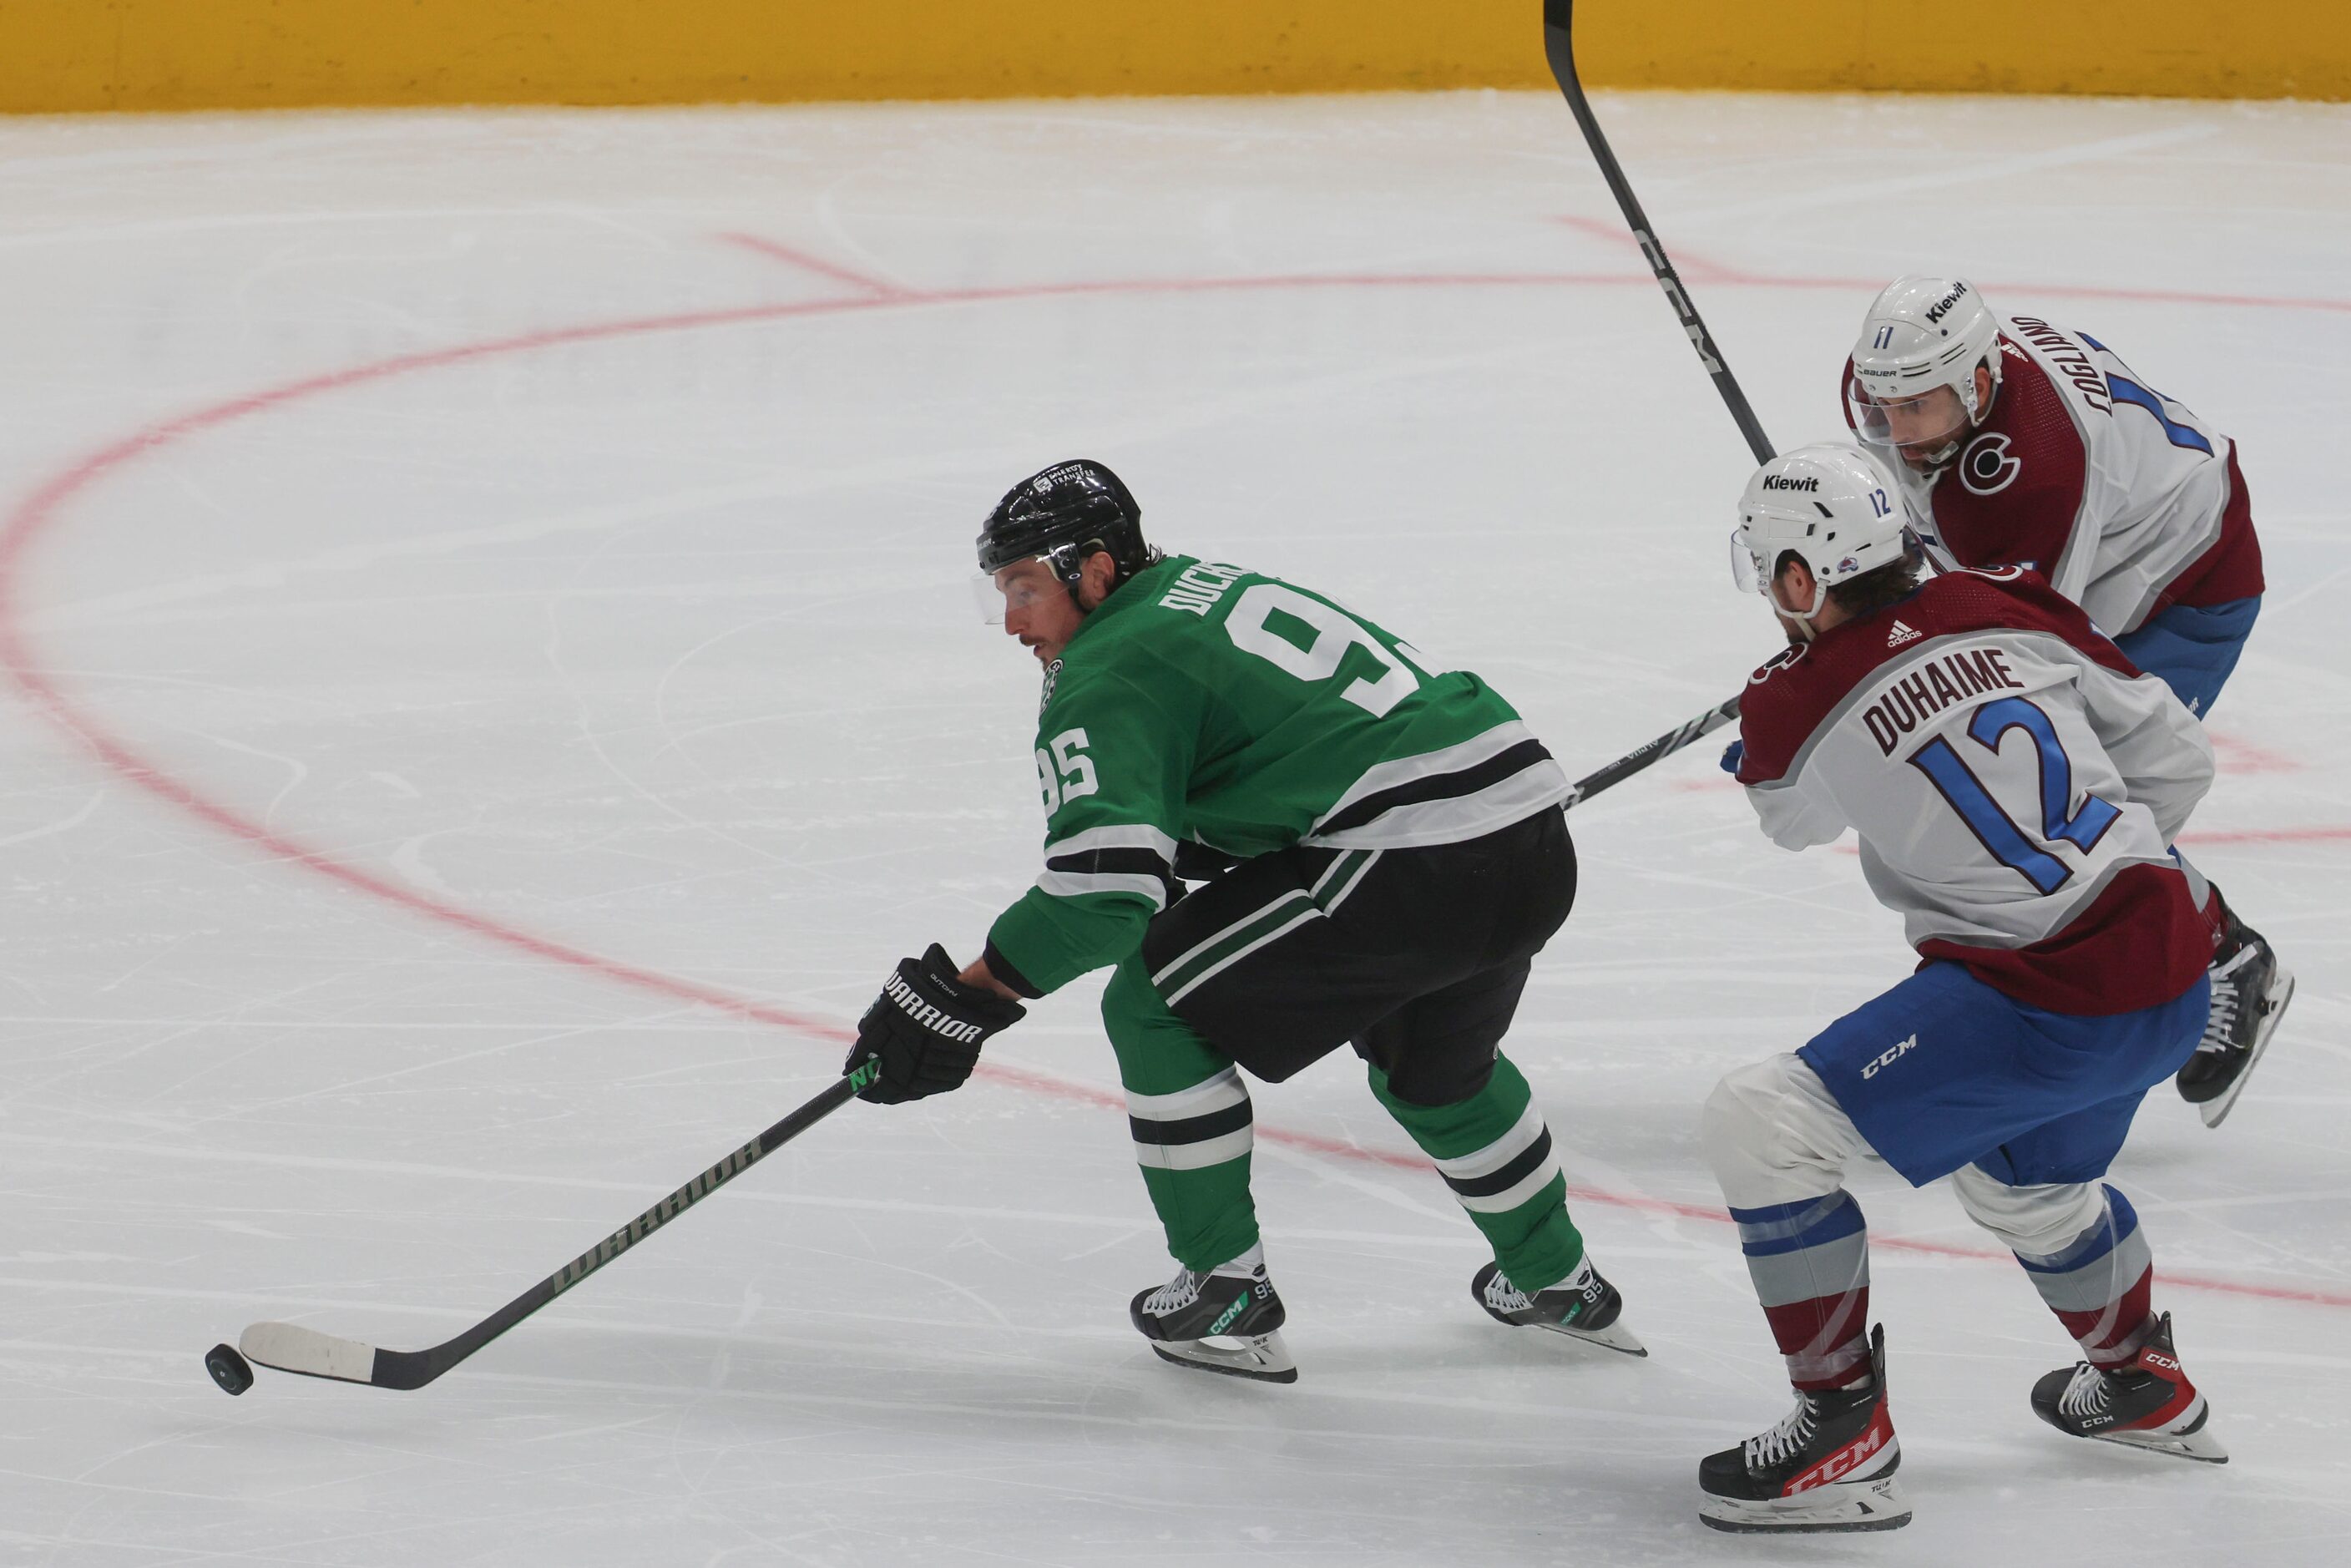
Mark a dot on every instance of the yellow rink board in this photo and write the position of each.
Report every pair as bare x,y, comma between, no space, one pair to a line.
74,55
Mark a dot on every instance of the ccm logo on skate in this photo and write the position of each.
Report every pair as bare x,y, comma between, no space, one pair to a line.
922,1013
1841,1462
1889,1057
2159,1360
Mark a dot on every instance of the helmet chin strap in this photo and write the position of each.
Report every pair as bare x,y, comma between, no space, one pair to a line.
1802,620
1074,580
1940,460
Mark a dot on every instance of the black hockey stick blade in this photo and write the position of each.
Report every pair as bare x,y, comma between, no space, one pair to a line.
1559,48
289,1347
1632,762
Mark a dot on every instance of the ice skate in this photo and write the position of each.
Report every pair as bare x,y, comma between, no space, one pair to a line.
1829,1465
1582,1306
1226,1320
2250,994
2147,1402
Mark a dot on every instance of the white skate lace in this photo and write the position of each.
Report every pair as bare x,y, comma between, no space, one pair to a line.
2221,1023
1505,1297
2089,1393
1176,1294
1789,1436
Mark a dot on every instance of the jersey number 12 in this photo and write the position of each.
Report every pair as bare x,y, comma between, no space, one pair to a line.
1984,816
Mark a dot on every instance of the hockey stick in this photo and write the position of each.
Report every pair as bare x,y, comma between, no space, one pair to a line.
1559,49
291,1348
1666,745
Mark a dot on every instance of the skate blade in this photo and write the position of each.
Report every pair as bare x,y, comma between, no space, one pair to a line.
1261,1356
1847,1505
2193,1439
2216,1110
1616,1337
2201,1447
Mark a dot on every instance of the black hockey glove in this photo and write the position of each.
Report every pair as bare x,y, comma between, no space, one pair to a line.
923,1034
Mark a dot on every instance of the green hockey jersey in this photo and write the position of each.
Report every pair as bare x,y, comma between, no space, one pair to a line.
1207,703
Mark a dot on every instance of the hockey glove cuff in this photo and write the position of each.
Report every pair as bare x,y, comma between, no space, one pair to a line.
923,1034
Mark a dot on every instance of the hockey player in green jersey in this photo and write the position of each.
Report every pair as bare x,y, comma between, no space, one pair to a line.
1385,853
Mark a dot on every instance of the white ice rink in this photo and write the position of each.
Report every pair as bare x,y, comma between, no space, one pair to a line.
494,690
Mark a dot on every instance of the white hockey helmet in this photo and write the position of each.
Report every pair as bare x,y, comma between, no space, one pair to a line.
1922,334
1835,506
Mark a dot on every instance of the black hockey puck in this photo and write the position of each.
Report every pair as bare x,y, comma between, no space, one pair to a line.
228,1369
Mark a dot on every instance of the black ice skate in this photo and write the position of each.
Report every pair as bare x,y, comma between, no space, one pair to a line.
2147,1402
1221,1322
1828,1465
1582,1306
2249,996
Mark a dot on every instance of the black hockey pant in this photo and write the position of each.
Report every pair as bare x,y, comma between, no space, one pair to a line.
1416,958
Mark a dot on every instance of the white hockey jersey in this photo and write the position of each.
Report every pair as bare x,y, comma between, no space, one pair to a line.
2125,500
2014,782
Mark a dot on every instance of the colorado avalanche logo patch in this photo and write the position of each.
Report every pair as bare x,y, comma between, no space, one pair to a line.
1986,468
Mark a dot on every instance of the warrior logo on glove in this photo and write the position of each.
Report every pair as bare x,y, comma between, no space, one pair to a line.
924,1015
922,1036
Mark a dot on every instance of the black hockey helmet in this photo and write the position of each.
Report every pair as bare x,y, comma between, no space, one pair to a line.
1065,513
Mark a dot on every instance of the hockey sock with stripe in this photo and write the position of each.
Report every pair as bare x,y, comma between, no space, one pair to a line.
1810,1263
2101,1284
1189,1114
1494,1151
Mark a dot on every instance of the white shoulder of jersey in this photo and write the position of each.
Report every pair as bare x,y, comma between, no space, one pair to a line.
1997,779
2155,477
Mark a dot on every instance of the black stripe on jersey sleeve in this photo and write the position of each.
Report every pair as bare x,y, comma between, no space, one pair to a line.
1191,1129
1502,765
1123,862
1528,1161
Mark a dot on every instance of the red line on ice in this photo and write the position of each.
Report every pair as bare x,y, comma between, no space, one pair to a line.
1698,269
41,510
2268,836
794,256
2243,757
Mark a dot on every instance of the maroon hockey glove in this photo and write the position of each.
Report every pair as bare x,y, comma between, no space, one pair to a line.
923,1032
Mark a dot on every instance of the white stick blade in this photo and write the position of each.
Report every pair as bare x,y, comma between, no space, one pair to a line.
289,1348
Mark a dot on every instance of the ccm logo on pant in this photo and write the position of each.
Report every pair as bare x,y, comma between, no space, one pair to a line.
922,1013
1892,1055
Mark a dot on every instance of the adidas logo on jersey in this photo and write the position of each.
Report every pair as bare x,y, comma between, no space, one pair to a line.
1901,634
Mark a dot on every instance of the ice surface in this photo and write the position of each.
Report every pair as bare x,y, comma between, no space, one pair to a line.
488,593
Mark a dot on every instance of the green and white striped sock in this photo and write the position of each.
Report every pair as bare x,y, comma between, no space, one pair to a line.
1189,1114
1494,1151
